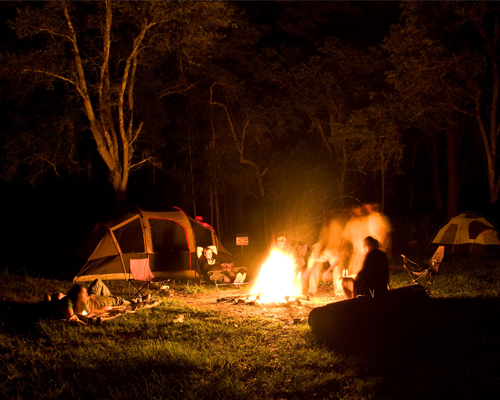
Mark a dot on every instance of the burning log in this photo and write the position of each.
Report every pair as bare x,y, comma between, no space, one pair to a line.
228,298
255,300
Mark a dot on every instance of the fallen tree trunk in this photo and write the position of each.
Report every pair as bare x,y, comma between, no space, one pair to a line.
364,323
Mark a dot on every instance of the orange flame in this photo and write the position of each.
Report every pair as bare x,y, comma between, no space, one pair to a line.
277,279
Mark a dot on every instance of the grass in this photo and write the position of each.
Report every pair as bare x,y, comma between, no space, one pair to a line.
449,351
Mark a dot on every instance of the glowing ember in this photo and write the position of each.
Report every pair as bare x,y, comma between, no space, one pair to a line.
277,279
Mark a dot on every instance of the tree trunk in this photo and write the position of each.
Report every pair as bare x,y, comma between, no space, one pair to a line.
215,180
451,160
226,227
343,167
436,182
120,189
242,220
193,198
217,210
382,176
211,204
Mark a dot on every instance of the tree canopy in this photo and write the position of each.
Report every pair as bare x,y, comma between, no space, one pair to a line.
101,51
252,113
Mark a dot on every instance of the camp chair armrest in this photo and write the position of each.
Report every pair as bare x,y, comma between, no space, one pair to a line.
407,260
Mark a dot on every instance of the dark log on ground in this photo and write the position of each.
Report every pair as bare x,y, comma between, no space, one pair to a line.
407,321
417,340
363,322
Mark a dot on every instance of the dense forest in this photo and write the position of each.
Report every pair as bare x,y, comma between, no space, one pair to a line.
261,117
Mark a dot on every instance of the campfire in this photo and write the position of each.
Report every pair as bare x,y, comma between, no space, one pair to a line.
277,283
341,245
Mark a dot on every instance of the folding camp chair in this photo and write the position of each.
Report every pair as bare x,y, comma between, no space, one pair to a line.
143,279
429,269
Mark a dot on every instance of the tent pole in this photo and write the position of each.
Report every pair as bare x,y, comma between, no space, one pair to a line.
115,242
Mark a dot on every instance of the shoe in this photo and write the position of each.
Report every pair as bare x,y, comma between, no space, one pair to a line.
238,278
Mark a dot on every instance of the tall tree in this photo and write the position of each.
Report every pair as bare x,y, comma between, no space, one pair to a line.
101,51
376,144
328,88
448,68
216,164
251,138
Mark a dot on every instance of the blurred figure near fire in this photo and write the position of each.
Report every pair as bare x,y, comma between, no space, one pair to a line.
315,272
355,231
329,249
297,250
282,244
373,278
366,221
379,227
341,244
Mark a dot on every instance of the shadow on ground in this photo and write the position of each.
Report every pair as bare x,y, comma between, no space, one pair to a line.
21,317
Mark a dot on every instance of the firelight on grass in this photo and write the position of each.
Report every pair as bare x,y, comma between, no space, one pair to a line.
277,279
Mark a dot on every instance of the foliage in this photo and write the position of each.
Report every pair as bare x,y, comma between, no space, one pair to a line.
328,89
105,77
453,65
45,144
376,140
299,190
251,115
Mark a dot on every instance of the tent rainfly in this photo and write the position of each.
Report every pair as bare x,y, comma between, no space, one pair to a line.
467,233
168,239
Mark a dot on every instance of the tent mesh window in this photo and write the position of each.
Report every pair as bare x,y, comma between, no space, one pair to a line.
450,234
203,235
167,235
129,237
476,228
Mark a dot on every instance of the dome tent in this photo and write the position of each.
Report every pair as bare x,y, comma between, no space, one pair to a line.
169,239
467,233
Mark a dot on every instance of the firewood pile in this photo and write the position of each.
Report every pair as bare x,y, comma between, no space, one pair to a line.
254,300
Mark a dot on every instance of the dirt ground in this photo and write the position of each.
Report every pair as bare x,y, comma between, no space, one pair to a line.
234,303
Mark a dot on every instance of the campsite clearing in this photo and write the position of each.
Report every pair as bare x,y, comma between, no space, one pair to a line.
293,313
193,347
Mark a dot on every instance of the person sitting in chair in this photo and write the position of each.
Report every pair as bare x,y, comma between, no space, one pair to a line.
373,278
210,266
208,261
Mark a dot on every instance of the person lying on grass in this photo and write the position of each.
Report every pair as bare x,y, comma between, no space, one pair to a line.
82,302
